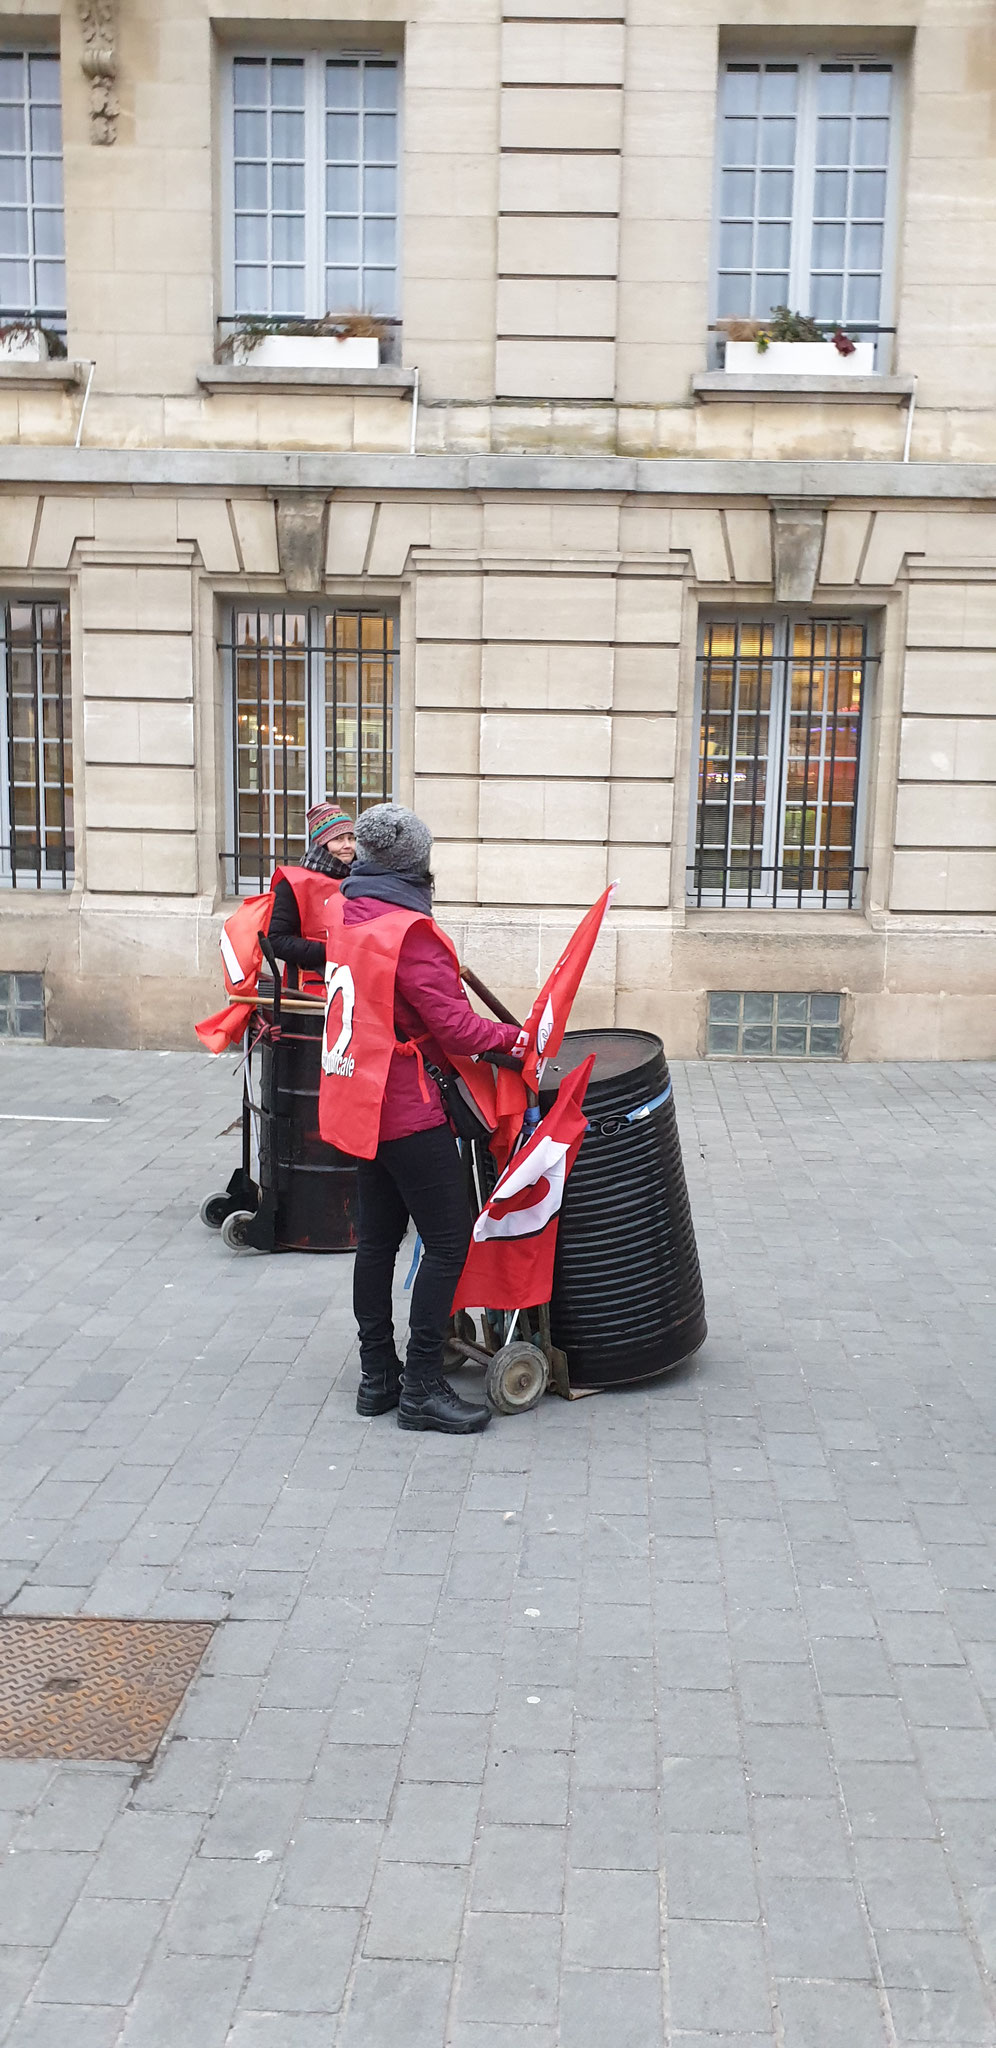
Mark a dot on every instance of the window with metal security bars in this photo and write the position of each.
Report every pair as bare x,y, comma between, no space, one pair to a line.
806,178
36,755
32,257
781,710
313,160
312,698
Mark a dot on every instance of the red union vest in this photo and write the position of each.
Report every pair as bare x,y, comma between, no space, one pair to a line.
312,892
359,1040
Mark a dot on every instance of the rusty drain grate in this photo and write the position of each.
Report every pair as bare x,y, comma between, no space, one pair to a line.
103,1691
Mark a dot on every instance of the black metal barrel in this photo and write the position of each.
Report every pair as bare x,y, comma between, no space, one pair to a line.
627,1290
314,1186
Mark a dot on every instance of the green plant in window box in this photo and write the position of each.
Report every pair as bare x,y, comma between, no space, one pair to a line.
784,325
17,335
253,328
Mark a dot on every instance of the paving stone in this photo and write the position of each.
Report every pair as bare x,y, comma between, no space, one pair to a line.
219,1908
44,2026
519,1870
75,1811
612,1919
612,1830
37,1891
510,1969
144,1855
706,1997
394,2002
101,1952
184,1999
710,1877
621,2006
832,2016
302,1959
416,1910
815,1929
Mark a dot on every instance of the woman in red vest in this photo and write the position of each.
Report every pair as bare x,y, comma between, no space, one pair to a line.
416,1170
331,846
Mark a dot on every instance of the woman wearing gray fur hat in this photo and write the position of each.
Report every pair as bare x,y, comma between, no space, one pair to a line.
416,1171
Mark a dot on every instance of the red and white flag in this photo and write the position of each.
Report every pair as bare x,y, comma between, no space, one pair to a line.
510,1261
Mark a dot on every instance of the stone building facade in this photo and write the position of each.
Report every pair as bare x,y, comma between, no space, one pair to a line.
599,604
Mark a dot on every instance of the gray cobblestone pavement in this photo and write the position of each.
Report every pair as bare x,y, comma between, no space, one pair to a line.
659,1718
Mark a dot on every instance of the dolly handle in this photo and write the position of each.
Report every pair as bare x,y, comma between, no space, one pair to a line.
496,1008
274,966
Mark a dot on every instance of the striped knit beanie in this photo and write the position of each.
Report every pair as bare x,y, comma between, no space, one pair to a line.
327,821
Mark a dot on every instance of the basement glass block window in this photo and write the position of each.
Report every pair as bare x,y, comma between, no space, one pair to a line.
781,713
313,169
22,1006
32,257
806,179
312,700
752,1022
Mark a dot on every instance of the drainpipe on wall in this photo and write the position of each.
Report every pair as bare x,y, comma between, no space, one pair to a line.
910,410
411,450
83,407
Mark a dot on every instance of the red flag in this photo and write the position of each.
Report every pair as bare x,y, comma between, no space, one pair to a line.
220,1032
547,1020
510,1261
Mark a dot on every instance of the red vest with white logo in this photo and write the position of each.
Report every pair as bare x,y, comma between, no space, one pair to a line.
312,892
360,1041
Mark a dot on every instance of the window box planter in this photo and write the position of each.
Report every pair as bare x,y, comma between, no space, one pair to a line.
798,359
309,352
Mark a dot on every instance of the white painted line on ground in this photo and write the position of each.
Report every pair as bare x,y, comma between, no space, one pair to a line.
13,1118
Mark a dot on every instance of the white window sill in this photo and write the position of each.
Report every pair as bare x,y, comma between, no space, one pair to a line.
247,377
722,385
19,370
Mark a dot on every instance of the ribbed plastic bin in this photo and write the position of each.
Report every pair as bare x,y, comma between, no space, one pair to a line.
627,1292
314,1185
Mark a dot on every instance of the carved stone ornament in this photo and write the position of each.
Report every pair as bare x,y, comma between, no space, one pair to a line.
798,535
98,19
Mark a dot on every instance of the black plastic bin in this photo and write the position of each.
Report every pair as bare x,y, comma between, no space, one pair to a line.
314,1186
292,1192
627,1291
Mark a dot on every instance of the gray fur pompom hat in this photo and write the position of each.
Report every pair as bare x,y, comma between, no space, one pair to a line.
393,837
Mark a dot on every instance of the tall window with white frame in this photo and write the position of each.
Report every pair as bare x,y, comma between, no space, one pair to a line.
36,750
782,708
312,218
32,255
806,192
312,703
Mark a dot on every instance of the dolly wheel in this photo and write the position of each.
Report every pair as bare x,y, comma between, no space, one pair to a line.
516,1378
234,1228
214,1209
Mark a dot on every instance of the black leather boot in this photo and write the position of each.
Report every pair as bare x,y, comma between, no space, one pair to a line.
379,1389
434,1405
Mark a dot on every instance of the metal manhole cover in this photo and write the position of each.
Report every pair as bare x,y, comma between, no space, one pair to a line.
104,1691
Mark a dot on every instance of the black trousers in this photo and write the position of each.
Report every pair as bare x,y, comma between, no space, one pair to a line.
419,1177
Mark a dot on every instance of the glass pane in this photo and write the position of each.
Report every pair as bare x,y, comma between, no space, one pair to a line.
11,77
46,181
778,142
741,89
251,294
872,91
380,290
250,237
866,248
343,241
11,128
13,232
722,1038
790,1042
824,1041
758,1007
828,248
775,198
342,290
379,241
867,196
779,89
287,82
250,186
773,241
342,85
737,194
739,142
342,188
827,297
13,181
834,87
288,135
342,138
756,1038
14,286
380,86
833,142
288,187
380,136
793,1009
46,131
288,237
288,291
736,241
380,188
250,134
871,142
733,297
249,76
863,298
724,1006
771,291
824,1009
